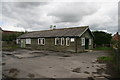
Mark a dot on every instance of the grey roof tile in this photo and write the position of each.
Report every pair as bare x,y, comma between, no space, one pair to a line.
63,32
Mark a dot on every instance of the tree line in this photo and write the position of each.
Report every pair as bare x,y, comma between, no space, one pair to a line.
11,36
102,38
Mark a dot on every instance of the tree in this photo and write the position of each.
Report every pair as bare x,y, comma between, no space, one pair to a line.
11,36
102,38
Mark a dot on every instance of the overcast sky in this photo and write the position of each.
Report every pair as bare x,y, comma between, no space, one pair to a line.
34,16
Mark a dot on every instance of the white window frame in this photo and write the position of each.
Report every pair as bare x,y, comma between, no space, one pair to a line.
17,41
90,41
72,39
40,41
56,41
28,41
83,41
62,41
68,41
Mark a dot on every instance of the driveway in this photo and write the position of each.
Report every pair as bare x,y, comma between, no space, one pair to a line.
49,64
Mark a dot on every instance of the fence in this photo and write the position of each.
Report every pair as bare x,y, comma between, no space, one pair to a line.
117,59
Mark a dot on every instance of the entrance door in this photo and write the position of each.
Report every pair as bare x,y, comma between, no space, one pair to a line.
86,43
22,43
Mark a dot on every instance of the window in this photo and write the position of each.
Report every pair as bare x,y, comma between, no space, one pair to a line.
67,41
72,39
62,41
28,41
56,41
83,41
17,41
90,41
41,41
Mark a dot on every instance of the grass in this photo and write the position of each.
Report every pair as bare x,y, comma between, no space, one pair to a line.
103,48
10,48
105,58
110,58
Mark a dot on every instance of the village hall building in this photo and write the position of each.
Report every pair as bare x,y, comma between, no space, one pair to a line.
74,39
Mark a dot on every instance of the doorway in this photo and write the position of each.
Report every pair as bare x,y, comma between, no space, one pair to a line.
22,43
86,43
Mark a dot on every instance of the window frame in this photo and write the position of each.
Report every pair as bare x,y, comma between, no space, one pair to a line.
40,41
62,41
90,41
83,41
72,40
56,39
17,41
68,40
27,41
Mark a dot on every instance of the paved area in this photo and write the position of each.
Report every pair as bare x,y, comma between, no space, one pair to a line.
48,64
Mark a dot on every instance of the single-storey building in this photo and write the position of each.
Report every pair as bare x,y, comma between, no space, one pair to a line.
74,39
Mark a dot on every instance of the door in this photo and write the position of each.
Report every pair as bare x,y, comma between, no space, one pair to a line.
86,43
22,43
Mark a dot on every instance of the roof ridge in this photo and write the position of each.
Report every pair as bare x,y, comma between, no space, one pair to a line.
71,31
62,28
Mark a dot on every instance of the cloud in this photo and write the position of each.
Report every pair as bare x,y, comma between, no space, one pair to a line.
72,11
106,18
15,13
40,15
29,4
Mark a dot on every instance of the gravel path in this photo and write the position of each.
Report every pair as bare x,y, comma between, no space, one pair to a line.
49,64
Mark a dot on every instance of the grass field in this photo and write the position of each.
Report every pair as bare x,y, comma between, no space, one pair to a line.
103,48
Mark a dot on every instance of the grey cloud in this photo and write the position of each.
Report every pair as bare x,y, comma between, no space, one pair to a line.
72,12
26,17
110,28
39,16
30,4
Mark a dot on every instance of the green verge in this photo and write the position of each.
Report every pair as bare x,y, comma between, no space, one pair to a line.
103,48
105,58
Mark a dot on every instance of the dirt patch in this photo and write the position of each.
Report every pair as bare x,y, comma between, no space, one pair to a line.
91,78
87,67
11,73
62,54
12,70
3,63
86,72
77,70
65,55
31,75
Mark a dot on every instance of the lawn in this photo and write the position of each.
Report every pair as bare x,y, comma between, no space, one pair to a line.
103,48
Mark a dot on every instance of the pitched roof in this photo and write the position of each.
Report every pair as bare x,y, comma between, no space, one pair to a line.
63,32
116,37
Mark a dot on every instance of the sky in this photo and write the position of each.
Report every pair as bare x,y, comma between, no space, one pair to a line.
34,15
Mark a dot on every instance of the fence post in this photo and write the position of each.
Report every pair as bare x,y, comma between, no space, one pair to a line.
118,52
117,56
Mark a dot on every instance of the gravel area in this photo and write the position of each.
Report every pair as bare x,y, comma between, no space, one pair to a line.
49,64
